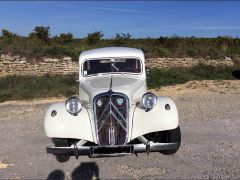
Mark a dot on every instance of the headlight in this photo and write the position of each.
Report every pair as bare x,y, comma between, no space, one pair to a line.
149,100
73,105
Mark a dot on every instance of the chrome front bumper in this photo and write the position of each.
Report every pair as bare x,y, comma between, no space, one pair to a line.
103,151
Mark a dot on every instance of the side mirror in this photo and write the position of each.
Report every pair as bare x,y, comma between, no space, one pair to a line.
76,77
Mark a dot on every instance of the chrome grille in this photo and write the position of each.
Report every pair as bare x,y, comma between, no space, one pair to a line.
111,118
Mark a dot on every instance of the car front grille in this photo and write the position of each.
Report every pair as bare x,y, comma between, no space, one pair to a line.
111,118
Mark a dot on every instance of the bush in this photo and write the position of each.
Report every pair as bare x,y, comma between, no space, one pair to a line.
39,44
95,37
121,38
41,32
162,52
7,34
65,38
192,52
215,53
7,37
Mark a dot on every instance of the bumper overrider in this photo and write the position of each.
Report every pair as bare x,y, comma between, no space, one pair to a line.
116,150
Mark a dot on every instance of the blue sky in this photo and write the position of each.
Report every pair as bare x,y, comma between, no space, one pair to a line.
140,18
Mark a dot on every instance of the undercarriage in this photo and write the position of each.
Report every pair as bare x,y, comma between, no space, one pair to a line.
169,143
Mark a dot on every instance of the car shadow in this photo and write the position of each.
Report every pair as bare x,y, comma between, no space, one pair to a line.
236,74
86,171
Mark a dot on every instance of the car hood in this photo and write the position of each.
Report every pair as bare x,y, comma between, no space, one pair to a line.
105,82
117,83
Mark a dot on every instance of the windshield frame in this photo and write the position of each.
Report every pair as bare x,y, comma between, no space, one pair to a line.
128,57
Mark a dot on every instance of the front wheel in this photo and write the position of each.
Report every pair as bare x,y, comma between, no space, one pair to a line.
172,136
169,136
60,142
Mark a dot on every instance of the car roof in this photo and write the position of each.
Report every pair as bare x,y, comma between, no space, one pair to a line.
109,52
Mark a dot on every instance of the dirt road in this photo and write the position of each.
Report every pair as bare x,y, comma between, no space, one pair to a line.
210,124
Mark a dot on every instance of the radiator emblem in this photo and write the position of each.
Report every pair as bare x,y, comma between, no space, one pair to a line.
120,101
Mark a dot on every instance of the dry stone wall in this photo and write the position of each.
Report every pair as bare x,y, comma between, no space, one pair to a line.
16,65
186,62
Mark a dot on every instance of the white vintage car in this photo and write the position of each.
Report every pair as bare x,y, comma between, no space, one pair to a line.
114,113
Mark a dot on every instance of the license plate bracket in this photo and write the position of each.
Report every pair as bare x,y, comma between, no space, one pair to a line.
111,150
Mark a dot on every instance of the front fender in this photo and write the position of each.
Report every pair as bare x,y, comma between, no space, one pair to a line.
65,125
157,119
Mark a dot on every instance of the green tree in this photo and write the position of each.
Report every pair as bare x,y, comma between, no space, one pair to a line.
120,38
94,37
41,32
66,37
7,37
7,34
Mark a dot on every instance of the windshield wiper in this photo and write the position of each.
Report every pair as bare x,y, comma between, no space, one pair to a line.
113,65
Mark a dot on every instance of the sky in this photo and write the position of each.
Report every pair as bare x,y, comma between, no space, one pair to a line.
142,19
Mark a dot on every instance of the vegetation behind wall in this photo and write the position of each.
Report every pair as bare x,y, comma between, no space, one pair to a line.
40,43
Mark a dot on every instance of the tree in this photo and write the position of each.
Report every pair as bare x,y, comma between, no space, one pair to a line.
66,37
7,34
41,32
120,38
7,37
94,37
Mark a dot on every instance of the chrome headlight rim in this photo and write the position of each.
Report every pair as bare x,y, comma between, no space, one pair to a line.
76,100
154,100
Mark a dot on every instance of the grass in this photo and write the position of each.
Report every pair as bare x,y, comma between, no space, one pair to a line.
29,87
165,77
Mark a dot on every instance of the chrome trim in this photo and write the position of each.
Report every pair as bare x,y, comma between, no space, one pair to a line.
110,93
135,148
111,137
81,142
153,147
144,96
73,97
142,139
119,121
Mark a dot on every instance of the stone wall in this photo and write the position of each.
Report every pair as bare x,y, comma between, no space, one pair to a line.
10,65
186,62
16,65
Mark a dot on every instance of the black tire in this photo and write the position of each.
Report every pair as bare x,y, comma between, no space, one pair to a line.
172,136
62,158
60,142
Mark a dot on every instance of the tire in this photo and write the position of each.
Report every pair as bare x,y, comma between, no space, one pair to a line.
60,142
172,136
62,158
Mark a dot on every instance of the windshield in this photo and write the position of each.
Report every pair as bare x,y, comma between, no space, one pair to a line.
129,65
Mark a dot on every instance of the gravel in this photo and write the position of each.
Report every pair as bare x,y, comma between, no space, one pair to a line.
210,122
